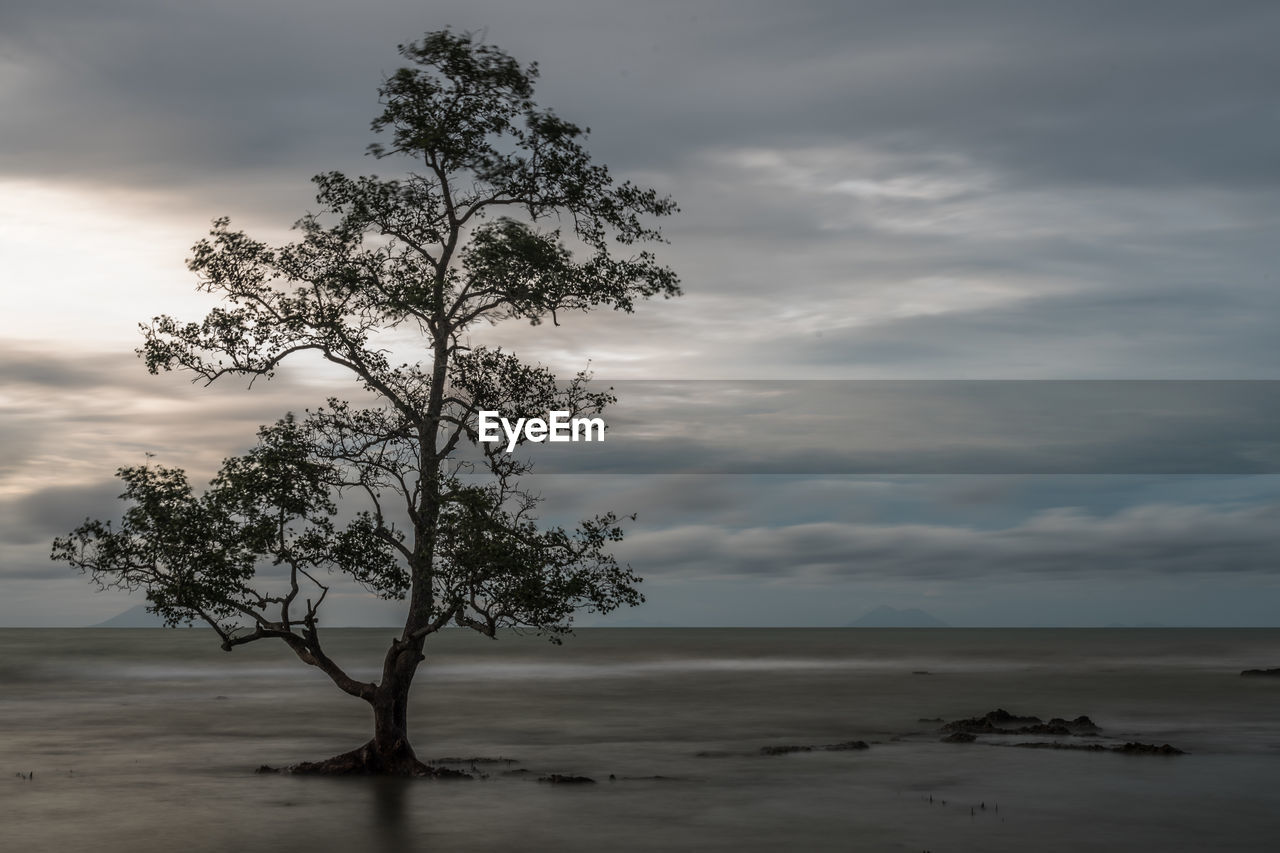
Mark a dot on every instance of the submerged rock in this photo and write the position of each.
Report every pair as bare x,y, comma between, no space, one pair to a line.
831,747
960,737
1148,749
559,779
1001,722
991,722
849,744
1132,748
787,749
1080,747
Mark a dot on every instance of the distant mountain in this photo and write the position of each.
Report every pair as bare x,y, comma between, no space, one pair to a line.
135,617
891,617
610,622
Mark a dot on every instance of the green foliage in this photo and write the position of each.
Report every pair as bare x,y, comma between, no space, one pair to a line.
498,569
457,240
184,551
210,557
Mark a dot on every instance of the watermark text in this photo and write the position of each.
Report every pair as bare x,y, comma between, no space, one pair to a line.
557,426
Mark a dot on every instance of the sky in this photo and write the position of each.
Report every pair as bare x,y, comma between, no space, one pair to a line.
887,196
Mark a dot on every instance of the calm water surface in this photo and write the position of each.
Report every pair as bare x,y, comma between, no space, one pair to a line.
144,740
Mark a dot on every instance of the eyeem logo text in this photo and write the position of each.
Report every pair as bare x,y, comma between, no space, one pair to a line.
558,426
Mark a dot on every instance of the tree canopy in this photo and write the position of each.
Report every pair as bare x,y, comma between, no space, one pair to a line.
500,214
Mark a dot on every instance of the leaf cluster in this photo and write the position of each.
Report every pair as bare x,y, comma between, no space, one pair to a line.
500,213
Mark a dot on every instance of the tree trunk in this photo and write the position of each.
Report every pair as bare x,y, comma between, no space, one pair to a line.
389,753
390,750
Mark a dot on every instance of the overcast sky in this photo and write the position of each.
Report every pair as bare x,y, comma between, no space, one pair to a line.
868,190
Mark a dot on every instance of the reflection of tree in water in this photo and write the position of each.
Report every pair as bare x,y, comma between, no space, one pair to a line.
391,815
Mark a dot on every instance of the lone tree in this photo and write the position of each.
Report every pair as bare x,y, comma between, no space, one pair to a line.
501,215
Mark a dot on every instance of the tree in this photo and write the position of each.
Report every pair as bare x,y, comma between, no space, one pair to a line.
463,238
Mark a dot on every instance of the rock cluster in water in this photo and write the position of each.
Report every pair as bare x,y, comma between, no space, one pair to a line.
787,749
831,747
1132,748
1002,722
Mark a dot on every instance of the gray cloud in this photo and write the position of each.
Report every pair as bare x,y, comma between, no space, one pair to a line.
1147,92
933,427
70,419
868,190
39,516
985,189
1135,542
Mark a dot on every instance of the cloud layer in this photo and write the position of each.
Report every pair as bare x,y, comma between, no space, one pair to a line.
869,190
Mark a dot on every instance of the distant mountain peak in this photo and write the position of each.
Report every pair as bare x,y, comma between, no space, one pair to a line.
891,617
135,617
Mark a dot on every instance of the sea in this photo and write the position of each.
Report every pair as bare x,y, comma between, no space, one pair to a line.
147,740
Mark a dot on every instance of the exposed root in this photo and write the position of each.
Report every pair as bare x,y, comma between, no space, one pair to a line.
369,761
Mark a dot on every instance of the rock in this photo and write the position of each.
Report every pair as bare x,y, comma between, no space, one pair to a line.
1003,717
992,722
1147,749
267,768
1001,722
1274,671
559,779
787,749
830,747
1127,749
847,745
1082,747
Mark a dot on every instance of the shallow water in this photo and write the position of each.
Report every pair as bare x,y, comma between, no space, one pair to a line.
145,740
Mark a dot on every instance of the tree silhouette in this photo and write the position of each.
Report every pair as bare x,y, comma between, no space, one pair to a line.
462,238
